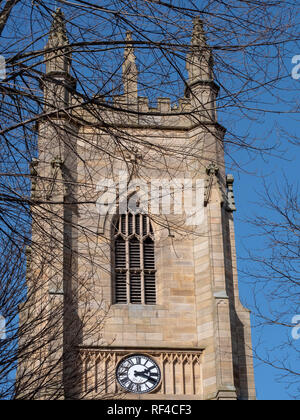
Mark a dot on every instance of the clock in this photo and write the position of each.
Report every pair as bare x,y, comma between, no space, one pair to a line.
138,374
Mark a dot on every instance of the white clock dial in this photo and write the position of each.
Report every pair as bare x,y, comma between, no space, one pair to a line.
138,374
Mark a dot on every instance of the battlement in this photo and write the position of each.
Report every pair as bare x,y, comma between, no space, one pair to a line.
164,105
122,110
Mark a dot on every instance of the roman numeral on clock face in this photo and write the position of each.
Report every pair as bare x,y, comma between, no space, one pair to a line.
152,380
125,381
131,387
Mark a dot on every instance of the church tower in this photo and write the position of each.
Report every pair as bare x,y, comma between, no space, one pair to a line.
159,287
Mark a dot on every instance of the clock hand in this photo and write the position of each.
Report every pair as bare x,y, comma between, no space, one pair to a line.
148,372
136,373
149,369
142,374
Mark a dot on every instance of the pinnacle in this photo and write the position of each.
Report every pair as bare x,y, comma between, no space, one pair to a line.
129,50
58,11
130,72
128,36
58,33
58,18
198,37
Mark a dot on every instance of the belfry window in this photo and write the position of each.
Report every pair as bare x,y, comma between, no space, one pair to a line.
134,260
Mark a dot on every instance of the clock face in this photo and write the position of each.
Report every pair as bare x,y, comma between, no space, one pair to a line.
138,374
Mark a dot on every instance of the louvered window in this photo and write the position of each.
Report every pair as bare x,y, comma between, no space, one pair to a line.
134,260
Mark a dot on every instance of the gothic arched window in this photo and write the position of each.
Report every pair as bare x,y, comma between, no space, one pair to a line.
134,261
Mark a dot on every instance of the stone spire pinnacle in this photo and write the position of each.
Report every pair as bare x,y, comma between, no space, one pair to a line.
129,50
130,72
201,87
58,34
199,60
198,37
58,59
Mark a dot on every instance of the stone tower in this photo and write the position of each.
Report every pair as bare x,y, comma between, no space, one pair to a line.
162,291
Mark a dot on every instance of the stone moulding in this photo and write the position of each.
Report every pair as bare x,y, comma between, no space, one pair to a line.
181,370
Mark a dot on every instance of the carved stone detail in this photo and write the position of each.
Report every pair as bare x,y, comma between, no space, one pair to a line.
212,171
230,193
56,165
181,371
34,176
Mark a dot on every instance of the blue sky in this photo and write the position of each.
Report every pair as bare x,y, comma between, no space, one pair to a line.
267,384
247,186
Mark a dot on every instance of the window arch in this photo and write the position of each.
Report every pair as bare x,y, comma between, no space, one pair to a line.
134,260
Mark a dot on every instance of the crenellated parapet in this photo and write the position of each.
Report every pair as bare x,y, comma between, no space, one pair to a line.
164,105
164,115
141,113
